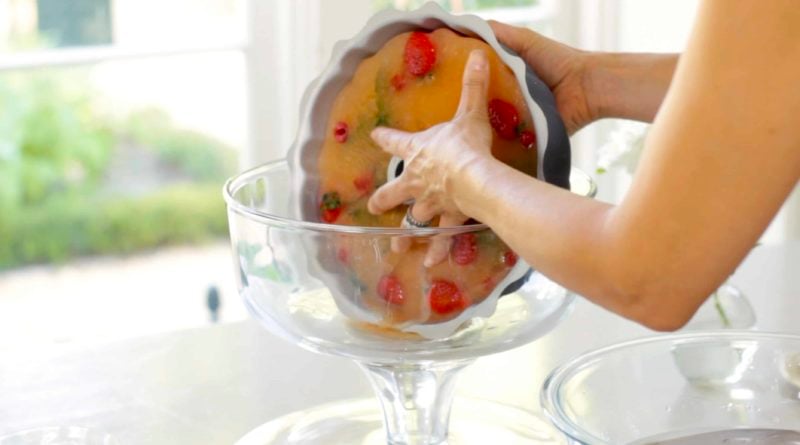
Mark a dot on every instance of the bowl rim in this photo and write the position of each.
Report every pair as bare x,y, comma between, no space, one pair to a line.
235,183
549,395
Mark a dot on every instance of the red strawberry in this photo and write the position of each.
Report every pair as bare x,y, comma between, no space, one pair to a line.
504,118
364,183
342,255
489,283
528,139
465,249
390,290
510,258
340,132
330,207
330,216
445,297
420,54
398,82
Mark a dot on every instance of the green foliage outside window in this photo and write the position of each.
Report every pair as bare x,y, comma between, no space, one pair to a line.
49,139
59,155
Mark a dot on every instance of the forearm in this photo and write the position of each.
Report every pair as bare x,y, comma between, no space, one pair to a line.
588,246
699,201
628,86
558,233
720,160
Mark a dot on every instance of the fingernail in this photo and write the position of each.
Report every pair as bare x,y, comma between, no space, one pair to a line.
371,209
429,260
478,60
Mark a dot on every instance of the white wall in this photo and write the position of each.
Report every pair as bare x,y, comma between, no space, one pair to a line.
664,26
5,25
341,20
18,18
290,42
158,22
655,25
643,26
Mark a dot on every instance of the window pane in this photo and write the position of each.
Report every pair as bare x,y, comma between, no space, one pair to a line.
74,23
37,24
110,195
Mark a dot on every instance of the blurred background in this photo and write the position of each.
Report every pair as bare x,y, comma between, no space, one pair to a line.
121,119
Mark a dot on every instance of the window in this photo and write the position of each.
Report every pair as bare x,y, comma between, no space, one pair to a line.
119,122
75,23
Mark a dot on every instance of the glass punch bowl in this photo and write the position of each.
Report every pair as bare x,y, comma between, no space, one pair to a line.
290,287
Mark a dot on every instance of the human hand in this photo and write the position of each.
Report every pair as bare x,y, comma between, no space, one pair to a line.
437,155
562,68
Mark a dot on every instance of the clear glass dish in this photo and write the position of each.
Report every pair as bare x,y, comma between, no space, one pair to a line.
674,386
61,435
297,283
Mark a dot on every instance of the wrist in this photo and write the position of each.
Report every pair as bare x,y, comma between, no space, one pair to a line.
469,187
601,81
628,86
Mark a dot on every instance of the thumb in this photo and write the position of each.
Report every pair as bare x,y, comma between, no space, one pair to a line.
475,84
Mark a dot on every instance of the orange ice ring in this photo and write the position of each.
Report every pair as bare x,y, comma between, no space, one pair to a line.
412,81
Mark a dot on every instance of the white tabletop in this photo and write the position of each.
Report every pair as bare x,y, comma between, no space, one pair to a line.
212,385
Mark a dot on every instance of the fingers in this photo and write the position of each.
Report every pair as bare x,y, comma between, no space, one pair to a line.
549,58
400,244
516,38
475,84
422,211
389,196
396,142
440,245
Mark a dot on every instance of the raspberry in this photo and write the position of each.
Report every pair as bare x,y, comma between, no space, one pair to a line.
465,249
398,82
504,118
445,297
364,183
510,258
331,207
340,132
528,139
390,290
420,54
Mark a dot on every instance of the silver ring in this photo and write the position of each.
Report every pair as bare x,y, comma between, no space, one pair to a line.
413,222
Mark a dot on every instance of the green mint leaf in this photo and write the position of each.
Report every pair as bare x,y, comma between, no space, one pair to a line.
726,322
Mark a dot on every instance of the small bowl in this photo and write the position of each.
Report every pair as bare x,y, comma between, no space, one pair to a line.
638,392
